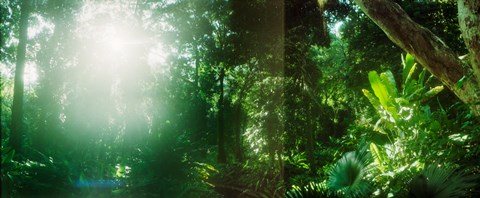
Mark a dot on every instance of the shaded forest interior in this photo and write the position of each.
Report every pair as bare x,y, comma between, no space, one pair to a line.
240,98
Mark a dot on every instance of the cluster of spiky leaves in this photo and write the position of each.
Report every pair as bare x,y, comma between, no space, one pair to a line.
437,182
347,175
313,189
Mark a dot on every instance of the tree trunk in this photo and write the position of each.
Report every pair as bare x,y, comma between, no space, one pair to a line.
16,133
469,20
429,50
309,132
200,110
222,157
237,125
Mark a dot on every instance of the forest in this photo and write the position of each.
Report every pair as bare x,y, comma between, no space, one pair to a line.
240,98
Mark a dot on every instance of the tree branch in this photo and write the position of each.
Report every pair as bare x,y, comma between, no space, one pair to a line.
429,50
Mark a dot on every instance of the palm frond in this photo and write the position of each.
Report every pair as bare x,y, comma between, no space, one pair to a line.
347,175
439,183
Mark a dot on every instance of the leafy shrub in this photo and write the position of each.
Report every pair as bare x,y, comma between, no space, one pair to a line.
405,121
10,171
437,182
311,190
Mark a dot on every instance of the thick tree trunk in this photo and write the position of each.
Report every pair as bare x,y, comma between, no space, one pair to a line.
16,133
429,50
469,20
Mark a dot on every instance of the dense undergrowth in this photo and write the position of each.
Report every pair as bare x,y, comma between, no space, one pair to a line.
408,151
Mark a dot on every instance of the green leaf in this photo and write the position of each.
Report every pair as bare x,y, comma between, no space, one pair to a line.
377,157
460,82
438,182
389,82
433,92
347,174
435,125
373,100
409,80
408,63
421,77
379,89
409,88
383,94
402,101
8,157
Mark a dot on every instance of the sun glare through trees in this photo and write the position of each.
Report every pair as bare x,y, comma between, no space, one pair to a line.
239,98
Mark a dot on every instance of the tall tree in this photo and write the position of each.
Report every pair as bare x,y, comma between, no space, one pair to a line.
430,51
222,156
16,133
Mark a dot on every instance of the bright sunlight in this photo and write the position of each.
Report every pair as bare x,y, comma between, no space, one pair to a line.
30,75
239,98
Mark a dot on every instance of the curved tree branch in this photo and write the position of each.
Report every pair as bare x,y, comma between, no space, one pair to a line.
429,50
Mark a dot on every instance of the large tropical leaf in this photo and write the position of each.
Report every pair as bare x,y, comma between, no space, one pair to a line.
373,100
439,183
347,175
381,88
389,81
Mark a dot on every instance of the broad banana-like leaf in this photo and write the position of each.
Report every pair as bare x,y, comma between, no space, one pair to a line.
377,157
373,100
408,63
379,89
392,110
389,82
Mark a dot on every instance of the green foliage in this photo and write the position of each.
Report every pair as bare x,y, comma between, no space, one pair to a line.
311,190
347,175
297,161
438,182
239,180
143,120
379,157
385,92
399,113
10,171
408,125
401,116
27,177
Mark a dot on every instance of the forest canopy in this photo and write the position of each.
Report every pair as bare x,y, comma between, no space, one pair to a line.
240,98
